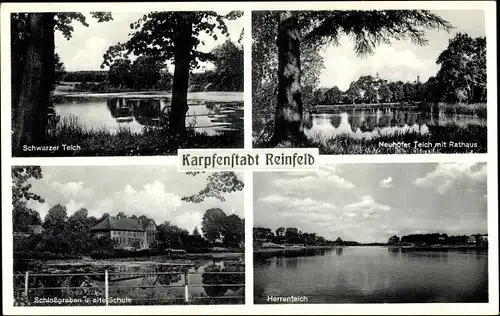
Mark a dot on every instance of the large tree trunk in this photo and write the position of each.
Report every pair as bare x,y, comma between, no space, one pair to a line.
288,128
37,74
182,58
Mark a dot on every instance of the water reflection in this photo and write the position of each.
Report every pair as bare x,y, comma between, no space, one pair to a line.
149,281
374,275
136,112
371,123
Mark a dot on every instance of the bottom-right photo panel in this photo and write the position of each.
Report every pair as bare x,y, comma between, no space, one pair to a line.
372,233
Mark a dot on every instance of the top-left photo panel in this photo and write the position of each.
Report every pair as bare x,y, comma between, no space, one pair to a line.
125,83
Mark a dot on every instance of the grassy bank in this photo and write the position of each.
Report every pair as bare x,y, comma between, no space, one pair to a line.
124,142
451,139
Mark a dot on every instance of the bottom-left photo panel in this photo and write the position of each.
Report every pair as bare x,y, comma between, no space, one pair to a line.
127,235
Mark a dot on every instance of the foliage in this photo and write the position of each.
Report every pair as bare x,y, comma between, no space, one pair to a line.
289,235
213,224
146,72
462,75
218,183
439,239
22,216
119,73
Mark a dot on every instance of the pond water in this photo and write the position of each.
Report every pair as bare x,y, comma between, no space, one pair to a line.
372,123
373,275
209,112
152,280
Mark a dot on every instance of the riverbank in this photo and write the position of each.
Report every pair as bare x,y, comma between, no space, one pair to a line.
448,139
71,138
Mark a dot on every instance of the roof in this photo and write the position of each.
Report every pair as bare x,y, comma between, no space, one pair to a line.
113,223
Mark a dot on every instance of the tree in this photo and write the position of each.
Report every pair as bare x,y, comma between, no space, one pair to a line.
265,72
213,224
233,231
146,72
385,92
78,221
23,216
218,183
34,70
196,232
366,28
229,67
333,96
172,236
121,215
463,69
173,36
394,240
280,232
55,220
119,73
59,70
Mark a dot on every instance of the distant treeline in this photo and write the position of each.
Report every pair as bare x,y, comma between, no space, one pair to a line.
438,239
85,76
292,235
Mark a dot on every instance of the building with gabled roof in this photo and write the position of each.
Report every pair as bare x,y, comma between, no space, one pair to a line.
128,232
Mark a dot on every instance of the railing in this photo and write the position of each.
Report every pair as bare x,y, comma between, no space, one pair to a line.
132,275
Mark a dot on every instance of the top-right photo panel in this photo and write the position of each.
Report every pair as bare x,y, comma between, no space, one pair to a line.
370,82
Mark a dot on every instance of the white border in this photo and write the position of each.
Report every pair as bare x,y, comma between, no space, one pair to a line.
439,308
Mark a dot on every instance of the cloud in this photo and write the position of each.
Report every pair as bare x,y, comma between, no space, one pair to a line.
72,189
343,66
103,206
188,221
72,207
152,200
306,204
325,176
386,183
41,208
90,56
366,208
448,176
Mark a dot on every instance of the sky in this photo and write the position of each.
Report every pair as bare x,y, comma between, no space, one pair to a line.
372,202
85,49
141,190
403,60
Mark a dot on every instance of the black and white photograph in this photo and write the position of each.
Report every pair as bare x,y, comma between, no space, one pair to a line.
127,235
370,81
125,83
372,233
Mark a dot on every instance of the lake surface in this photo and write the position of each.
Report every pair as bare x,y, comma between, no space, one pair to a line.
374,275
138,280
209,112
372,123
